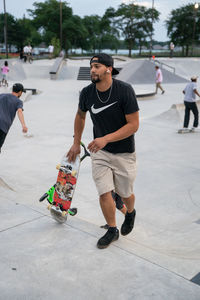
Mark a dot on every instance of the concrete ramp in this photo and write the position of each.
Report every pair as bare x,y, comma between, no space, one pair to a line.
16,72
169,118
67,72
143,72
173,117
185,67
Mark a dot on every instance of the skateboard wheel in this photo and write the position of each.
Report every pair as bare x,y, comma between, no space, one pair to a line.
49,206
74,173
64,213
58,166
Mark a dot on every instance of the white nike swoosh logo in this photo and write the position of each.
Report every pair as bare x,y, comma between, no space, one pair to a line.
98,110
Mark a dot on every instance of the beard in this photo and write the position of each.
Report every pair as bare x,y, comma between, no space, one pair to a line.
95,79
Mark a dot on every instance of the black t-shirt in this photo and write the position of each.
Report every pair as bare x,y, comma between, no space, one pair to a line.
109,116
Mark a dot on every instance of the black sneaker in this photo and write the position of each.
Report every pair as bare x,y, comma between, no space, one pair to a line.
128,224
106,226
111,235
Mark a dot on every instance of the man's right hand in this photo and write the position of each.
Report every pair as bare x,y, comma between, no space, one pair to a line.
24,129
73,152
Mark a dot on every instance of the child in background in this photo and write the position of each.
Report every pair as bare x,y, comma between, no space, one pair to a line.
4,72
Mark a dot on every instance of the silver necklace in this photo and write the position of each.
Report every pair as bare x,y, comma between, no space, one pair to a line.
108,95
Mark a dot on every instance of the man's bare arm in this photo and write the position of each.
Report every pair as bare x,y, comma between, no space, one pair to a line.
79,125
21,119
196,92
127,130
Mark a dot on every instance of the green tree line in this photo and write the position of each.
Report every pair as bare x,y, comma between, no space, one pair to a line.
129,26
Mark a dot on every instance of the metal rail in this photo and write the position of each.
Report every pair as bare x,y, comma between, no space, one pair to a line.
165,65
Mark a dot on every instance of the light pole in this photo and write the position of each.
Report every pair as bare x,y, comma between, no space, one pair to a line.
60,25
196,6
152,20
5,28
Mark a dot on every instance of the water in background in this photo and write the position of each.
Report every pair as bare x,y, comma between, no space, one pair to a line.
113,52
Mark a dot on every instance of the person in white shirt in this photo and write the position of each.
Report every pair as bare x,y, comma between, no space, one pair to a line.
51,49
159,79
171,49
29,49
190,92
25,53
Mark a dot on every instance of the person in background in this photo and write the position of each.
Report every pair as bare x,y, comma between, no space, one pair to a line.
4,72
190,92
171,46
51,49
159,79
10,104
25,53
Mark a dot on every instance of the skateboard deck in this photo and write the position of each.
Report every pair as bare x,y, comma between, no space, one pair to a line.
60,195
64,189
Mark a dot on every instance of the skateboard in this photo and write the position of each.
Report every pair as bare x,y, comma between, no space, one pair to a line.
60,195
186,131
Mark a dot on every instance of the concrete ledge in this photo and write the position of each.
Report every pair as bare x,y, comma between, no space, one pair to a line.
56,67
34,91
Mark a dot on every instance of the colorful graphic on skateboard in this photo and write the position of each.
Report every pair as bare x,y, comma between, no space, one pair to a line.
60,194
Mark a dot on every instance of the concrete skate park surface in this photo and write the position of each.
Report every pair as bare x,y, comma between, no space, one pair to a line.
41,259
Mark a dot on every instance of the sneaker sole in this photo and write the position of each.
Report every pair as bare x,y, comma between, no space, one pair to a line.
105,246
126,232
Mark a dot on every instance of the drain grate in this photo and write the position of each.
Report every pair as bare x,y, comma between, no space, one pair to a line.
196,279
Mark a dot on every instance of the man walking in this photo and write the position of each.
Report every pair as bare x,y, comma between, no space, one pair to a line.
159,79
114,112
190,92
9,105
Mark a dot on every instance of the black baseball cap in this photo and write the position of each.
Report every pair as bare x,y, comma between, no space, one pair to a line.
106,60
18,87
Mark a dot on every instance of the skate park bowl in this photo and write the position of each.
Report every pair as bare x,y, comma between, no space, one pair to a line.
138,72
160,258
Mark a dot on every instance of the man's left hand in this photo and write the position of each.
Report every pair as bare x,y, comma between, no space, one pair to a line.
97,144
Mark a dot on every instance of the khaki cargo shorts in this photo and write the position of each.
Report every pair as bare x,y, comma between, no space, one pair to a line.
114,172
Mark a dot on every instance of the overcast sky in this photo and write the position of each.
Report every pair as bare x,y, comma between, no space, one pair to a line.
88,7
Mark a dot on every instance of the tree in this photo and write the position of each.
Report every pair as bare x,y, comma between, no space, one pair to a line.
92,25
26,33
11,29
109,32
46,18
136,23
183,27
19,32
76,33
